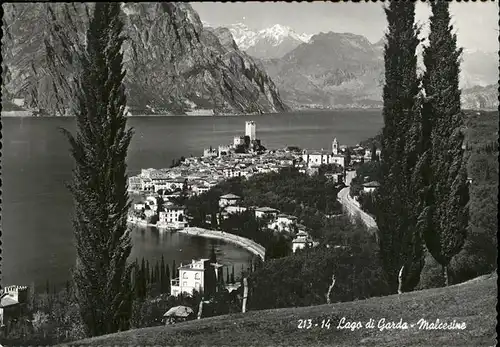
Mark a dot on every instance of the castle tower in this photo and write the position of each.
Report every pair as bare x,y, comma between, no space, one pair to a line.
335,147
250,129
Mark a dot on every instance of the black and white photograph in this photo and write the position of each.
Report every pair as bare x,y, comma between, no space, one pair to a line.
249,173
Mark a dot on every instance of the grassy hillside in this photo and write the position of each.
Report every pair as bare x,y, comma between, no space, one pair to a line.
472,302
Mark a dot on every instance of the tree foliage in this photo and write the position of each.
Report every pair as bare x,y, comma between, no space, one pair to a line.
99,187
303,278
446,212
400,239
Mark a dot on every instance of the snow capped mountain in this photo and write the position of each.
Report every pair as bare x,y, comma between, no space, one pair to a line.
272,42
243,35
278,33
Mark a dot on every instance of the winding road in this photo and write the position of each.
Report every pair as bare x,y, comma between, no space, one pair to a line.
351,205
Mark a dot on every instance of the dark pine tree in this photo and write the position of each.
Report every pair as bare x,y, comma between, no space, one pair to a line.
137,280
99,186
143,279
167,280
163,278
374,156
174,270
347,157
399,239
446,213
148,273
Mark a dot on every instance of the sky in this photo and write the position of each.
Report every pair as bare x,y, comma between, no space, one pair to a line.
476,22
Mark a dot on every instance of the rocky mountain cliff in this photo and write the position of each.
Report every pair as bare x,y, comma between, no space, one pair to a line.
173,64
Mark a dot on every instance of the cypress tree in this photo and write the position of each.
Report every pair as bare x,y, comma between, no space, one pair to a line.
213,256
174,270
399,239
227,276
137,280
374,153
143,279
157,273
99,187
163,278
446,213
148,273
232,275
167,280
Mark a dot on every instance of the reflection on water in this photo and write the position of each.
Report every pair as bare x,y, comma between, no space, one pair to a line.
152,244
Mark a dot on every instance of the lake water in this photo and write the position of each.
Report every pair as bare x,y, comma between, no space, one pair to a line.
37,236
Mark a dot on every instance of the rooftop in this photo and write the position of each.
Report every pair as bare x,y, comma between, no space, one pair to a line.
8,300
230,196
266,209
371,184
282,215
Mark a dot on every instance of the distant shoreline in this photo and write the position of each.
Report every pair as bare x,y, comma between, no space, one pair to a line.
28,114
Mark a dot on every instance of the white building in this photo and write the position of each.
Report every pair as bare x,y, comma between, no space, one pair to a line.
198,190
147,185
173,216
266,212
335,147
250,130
10,299
139,206
228,199
302,240
370,186
134,183
238,140
283,222
317,158
232,209
192,277
230,172
209,152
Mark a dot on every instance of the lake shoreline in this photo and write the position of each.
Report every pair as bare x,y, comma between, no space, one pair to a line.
245,243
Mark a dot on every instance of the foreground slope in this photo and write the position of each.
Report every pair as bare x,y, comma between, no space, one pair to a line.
473,302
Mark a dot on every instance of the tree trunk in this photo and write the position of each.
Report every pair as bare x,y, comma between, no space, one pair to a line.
245,295
200,308
445,275
330,290
400,280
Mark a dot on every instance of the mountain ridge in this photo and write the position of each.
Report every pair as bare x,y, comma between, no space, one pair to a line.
344,70
201,72
271,42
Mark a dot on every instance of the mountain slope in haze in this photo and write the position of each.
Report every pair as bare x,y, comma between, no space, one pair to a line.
479,98
333,69
346,70
478,69
173,64
272,42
